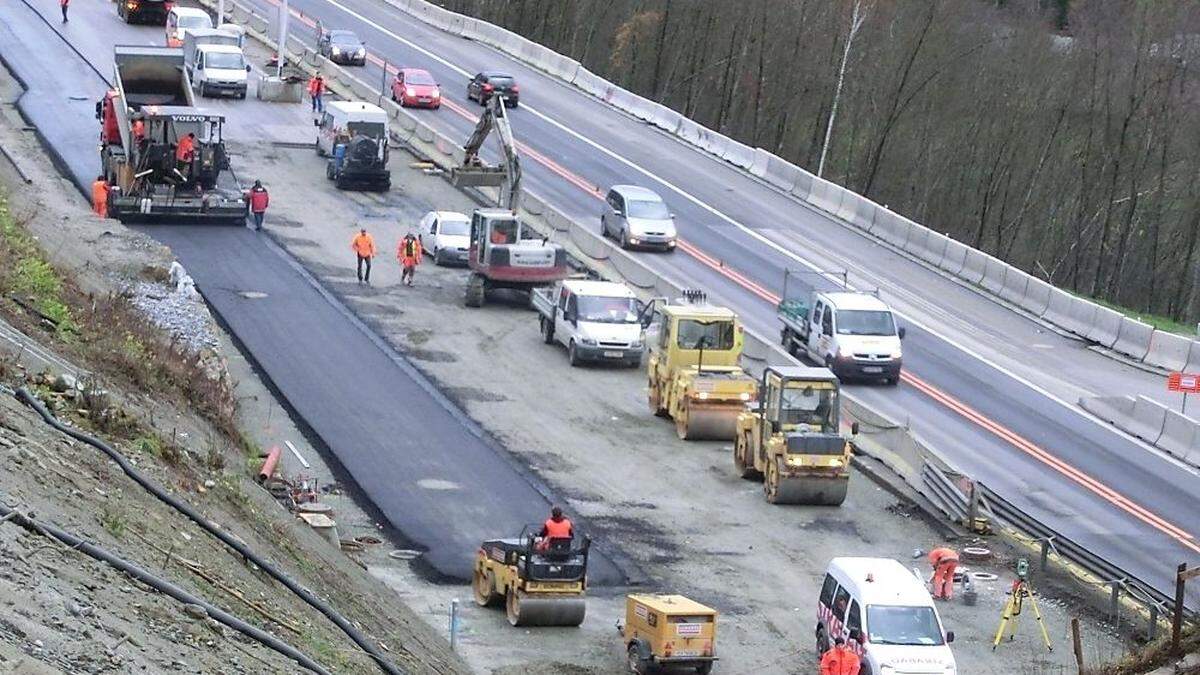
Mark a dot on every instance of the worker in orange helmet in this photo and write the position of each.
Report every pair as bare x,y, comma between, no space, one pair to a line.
100,196
363,245
840,660
944,561
557,526
408,252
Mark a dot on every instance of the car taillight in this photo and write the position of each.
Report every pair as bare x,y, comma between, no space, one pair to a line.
668,649
488,87
515,88
708,648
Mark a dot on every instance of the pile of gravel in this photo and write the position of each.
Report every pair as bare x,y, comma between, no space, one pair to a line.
180,311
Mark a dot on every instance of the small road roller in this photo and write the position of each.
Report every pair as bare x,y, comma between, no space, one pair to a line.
668,631
541,582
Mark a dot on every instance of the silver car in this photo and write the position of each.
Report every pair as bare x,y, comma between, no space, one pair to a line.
637,217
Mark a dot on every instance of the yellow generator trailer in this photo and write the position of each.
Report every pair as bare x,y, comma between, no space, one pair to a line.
693,368
792,441
541,582
670,631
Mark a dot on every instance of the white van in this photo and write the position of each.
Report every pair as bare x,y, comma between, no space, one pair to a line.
597,321
888,612
215,63
182,19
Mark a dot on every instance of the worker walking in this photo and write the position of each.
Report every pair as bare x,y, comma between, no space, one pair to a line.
64,5
409,255
259,200
316,89
100,196
840,660
944,561
185,150
364,247
557,526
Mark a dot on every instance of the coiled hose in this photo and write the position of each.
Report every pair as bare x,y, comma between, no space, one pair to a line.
316,603
161,585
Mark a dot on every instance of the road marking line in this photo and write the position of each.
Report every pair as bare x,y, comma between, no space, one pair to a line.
980,420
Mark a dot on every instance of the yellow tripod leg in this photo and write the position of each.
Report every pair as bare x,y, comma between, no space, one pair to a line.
1041,624
1004,616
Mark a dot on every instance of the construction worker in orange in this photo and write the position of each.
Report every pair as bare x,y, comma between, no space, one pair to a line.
316,90
100,196
185,150
363,245
409,255
840,660
944,561
557,526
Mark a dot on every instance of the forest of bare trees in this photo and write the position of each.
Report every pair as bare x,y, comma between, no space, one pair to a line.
1060,135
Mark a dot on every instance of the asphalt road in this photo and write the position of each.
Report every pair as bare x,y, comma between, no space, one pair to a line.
438,478
1023,437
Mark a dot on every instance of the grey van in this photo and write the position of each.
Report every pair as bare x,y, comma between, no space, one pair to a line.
637,217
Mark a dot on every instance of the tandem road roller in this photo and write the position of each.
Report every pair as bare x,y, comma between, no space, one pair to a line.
792,441
693,368
542,582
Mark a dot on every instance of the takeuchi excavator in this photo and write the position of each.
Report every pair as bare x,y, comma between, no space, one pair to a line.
474,172
149,111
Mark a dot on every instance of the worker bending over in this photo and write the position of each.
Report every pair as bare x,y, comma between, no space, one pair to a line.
840,660
944,561
557,526
409,255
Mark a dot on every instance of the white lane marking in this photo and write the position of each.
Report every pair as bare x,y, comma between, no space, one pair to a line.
760,238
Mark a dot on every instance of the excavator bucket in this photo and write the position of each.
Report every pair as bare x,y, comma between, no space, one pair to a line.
811,490
539,610
477,176
714,424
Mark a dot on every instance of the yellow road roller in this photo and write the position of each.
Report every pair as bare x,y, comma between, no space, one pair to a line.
668,631
541,582
694,376
792,441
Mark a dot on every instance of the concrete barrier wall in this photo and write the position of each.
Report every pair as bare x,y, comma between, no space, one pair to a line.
994,272
1193,362
1116,410
935,247
1015,284
1133,338
1168,350
1079,319
1149,417
954,257
1150,421
1106,325
974,266
1180,436
1037,296
892,227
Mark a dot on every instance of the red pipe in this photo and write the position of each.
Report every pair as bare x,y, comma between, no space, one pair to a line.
268,467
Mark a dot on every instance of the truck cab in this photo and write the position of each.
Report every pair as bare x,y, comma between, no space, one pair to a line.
597,321
215,63
354,134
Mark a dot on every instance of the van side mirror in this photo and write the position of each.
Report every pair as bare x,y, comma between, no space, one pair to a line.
247,67
617,213
671,215
949,636
854,428
900,332
316,123
856,635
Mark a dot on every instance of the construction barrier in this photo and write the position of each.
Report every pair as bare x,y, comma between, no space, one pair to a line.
974,266
1106,325
1180,435
634,272
994,272
1168,350
738,154
804,183
825,195
781,173
1015,284
954,257
935,247
917,242
1116,410
1149,417
1037,296
589,244
1193,362
865,213
892,227
1058,307
1079,319
1133,338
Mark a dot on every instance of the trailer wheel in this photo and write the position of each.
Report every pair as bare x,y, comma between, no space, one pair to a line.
638,658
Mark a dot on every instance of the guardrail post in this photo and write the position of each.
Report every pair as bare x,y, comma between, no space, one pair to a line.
453,624
1152,631
1115,602
1045,557
1181,577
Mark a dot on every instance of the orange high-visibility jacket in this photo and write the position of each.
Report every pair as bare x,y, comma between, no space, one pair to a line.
408,252
185,148
942,555
840,661
363,245
100,198
557,529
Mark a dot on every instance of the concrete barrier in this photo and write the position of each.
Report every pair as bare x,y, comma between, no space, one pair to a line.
589,244
1193,362
634,272
804,183
865,213
1149,417
780,173
1116,410
1037,296
738,154
892,227
915,244
1106,325
825,195
954,257
1133,338
758,165
1180,435
995,271
1168,350
1079,318
851,205
974,266
1058,306
590,82
935,247
1015,283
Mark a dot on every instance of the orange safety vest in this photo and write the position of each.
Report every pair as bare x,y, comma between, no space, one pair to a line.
840,661
316,86
409,251
183,151
557,529
139,129
363,245
100,198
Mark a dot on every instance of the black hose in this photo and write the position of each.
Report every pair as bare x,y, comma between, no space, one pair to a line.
161,585
359,639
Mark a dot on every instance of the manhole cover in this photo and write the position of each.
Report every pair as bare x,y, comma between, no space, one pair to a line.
437,484
404,554
983,576
252,295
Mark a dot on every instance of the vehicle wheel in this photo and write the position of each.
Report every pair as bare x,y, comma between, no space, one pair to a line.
892,381
625,239
704,668
604,226
320,152
476,291
573,355
547,330
203,91
437,257
512,608
637,663
242,96
681,423
771,483
484,586
655,400
741,453
514,105
329,170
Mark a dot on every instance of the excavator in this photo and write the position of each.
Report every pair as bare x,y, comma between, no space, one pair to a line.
504,252
792,441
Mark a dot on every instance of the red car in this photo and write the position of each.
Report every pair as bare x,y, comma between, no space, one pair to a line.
416,88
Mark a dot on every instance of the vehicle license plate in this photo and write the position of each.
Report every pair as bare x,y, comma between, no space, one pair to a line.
613,355
872,369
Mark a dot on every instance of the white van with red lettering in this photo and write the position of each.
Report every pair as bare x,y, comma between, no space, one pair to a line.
884,612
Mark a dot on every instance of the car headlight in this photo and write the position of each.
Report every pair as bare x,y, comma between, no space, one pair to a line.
337,50
897,354
633,240
437,93
702,395
745,396
360,52
409,91
589,341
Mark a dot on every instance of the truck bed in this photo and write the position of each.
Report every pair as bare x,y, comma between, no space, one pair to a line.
793,313
542,300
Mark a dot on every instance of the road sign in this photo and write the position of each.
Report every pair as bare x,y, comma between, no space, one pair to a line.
1188,383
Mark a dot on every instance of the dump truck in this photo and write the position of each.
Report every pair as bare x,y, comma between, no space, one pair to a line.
852,333
151,90
505,253
792,441
694,376
542,582
668,631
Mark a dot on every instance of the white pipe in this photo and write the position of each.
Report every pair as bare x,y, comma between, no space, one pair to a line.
283,31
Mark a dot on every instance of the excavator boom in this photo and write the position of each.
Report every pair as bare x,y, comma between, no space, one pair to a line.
474,172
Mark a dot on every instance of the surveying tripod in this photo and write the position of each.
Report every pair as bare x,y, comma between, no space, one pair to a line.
1021,589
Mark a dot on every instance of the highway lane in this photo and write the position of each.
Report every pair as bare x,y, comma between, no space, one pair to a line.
1130,503
442,482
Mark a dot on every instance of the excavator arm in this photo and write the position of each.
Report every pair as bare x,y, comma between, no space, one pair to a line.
475,173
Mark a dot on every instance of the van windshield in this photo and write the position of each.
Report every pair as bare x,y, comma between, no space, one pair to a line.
370,129
607,310
865,322
194,22
893,625
644,208
454,227
225,61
